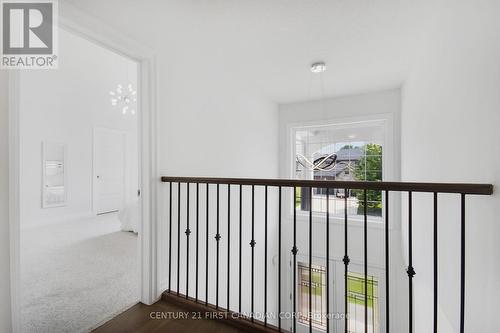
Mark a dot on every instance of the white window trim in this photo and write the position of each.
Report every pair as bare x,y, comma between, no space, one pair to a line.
388,162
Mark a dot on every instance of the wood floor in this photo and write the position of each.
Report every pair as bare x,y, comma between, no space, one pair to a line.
138,319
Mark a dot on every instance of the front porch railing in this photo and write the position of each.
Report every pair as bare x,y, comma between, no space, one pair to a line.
235,186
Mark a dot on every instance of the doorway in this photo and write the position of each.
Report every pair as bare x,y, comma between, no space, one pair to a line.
79,180
81,24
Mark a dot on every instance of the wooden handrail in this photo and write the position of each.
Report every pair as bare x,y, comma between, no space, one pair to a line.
463,188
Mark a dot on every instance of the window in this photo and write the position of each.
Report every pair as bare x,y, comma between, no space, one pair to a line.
318,296
356,303
346,152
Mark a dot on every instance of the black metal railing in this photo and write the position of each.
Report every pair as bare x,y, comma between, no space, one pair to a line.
279,184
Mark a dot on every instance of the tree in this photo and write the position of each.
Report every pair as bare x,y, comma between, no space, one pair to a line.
369,168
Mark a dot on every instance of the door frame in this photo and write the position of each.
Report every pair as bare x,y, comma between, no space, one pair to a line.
94,171
79,23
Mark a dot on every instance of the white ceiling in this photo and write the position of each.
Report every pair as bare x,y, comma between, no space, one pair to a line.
268,46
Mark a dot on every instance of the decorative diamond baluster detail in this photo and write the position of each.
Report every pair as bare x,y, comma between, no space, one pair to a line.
411,272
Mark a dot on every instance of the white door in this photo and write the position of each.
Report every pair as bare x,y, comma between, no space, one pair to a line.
109,170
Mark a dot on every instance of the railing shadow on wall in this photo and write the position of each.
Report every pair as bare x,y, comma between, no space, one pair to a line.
235,188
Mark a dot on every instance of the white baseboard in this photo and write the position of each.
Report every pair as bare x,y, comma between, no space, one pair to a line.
163,286
55,220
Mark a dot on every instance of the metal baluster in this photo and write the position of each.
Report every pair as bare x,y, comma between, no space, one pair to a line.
387,300
206,244
294,252
252,245
197,234
178,234
435,261
373,299
462,263
239,276
228,241
187,232
346,263
170,240
365,238
410,271
310,259
265,257
328,260
217,239
279,259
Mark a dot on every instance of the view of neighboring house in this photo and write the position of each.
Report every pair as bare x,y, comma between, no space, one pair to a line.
349,163
347,160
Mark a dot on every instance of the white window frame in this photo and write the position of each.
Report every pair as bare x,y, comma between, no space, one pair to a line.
386,120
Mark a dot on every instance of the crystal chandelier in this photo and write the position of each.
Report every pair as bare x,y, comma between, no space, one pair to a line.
124,98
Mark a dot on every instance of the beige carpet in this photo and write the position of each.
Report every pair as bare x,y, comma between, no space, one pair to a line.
77,274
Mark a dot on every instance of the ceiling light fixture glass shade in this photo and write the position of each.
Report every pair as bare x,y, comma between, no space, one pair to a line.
124,98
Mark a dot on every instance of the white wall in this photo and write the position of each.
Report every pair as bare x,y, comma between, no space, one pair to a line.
63,106
376,105
5,314
210,126
450,120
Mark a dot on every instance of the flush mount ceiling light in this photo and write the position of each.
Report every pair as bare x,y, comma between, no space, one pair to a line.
318,67
124,98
